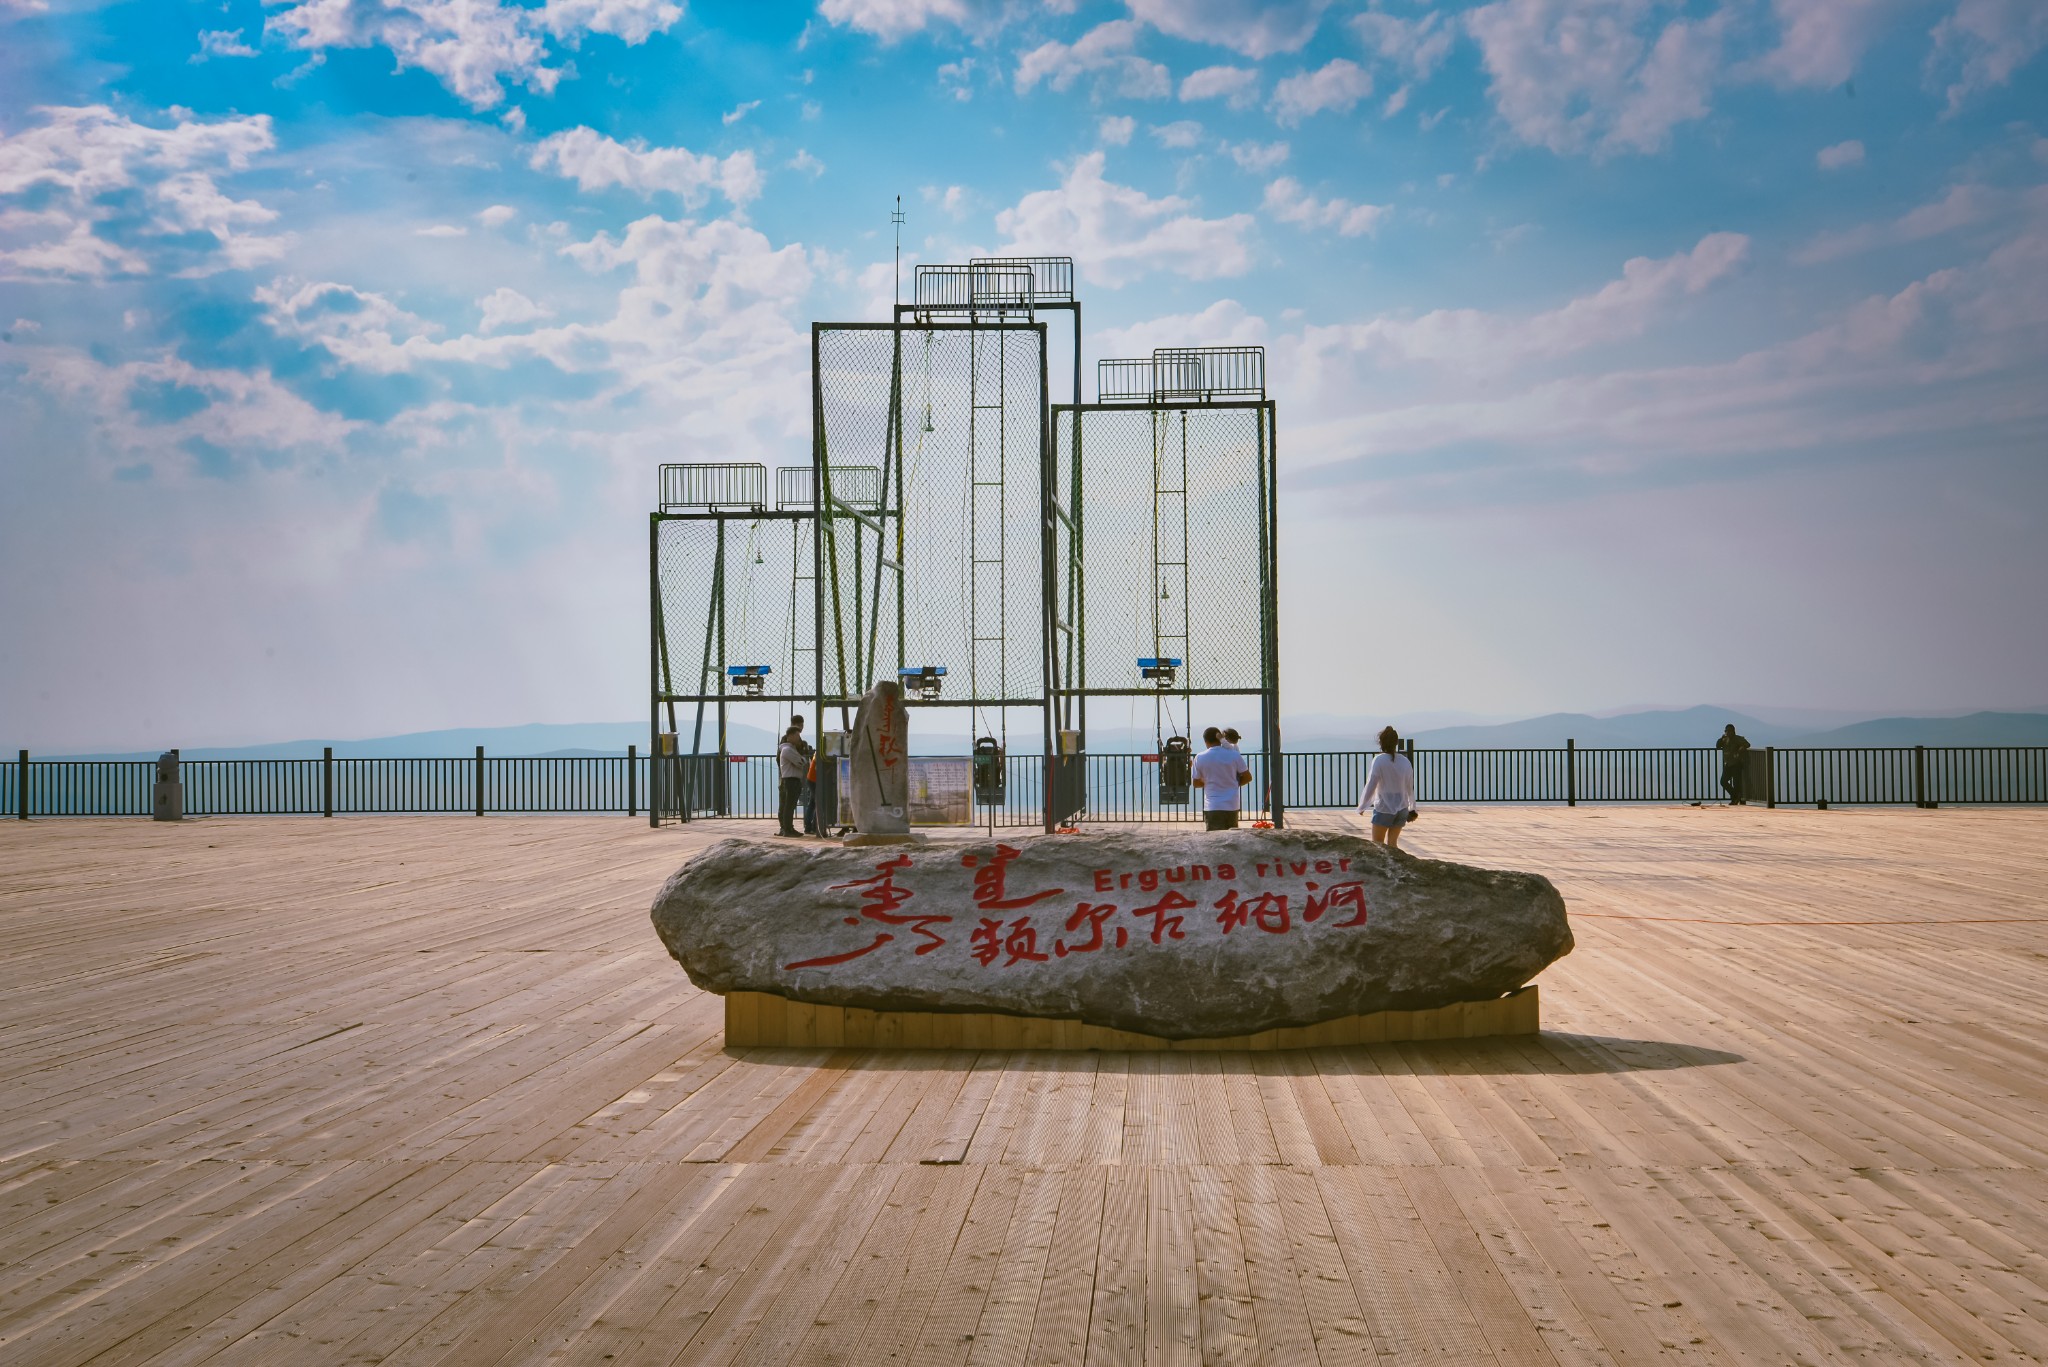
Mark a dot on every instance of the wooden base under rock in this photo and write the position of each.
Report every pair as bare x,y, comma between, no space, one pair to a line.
763,1020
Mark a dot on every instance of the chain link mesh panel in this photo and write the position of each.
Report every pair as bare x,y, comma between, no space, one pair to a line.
966,532
1170,507
769,609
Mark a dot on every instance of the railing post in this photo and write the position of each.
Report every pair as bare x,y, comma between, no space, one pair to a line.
327,780
1770,776
1920,776
21,786
1571,772
479,780
632,778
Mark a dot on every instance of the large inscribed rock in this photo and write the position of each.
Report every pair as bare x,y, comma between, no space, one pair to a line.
880,765
1184,935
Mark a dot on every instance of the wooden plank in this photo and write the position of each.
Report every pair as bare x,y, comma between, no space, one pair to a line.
765,1020
381,1089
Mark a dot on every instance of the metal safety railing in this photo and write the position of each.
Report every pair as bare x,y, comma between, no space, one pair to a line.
856,486
1183,375
734,484
1113,787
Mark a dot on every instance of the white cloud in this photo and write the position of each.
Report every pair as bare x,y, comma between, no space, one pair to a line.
222,43
497,215
1599,75
1257,157
633,21
1179,135
1983,42
1253,28
507,307
955,201
61,187
472,46
1957,353
361,327
1820,41
1959,208
803,161
1474,340
890,20
1116,130
1237,85
1839,155
442,230
1418,46
1339,84
1116,233
1104,50
596,162
958,79
738,112
1288,202
1396,102
1223,323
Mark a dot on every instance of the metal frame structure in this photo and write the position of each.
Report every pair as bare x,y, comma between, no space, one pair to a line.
1171,385
859,499
715,495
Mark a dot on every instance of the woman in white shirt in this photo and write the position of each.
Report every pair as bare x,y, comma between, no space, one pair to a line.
1389,790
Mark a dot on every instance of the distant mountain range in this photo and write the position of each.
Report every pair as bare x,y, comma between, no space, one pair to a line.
1650,727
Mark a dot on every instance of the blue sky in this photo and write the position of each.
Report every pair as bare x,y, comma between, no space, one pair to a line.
1628,351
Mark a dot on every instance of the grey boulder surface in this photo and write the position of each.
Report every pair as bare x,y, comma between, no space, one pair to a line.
1184,935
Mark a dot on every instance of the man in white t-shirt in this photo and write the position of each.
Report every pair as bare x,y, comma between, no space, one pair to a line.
1220,774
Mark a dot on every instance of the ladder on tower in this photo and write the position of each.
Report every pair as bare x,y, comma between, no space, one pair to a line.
987,530
1170,574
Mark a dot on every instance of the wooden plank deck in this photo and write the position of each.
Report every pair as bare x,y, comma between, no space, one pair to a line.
427,1090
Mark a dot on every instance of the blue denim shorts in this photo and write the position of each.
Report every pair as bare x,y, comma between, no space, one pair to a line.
1389,818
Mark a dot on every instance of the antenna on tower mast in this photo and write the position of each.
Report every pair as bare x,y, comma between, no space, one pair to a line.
897,219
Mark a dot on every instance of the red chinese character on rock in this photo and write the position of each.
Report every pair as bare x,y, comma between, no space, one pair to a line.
1268,911
1339,897
882,895
990,881
1019,940
987,940
1091,914
1163,925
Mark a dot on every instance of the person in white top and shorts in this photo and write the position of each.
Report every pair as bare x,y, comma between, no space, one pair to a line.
1389,790
1220,774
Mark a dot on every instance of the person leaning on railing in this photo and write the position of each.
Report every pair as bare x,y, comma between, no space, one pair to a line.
1389,790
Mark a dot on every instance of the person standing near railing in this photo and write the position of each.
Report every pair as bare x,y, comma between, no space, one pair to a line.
792,763
1220,774
1734,762
1389,791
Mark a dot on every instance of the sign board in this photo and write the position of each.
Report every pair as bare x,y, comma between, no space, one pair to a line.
941,790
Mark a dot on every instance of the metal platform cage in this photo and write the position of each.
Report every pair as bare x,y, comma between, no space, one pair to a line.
948,569
1183,375
796,486
729,588
713,485
1164,548
991,286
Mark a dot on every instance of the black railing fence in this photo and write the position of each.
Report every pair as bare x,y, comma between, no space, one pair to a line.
1118,788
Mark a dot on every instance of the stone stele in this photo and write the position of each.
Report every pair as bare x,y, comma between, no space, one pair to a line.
1182,935
880,763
